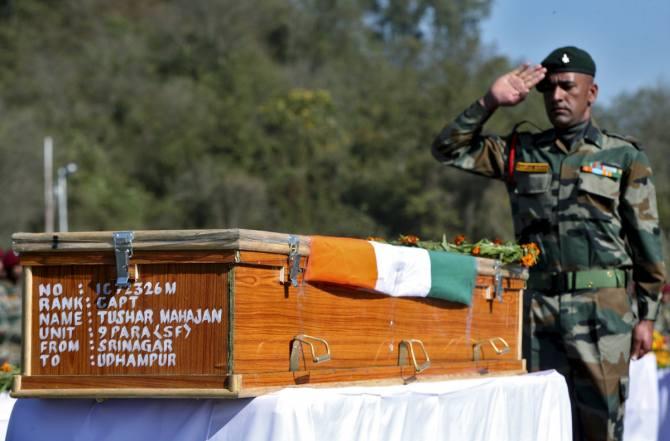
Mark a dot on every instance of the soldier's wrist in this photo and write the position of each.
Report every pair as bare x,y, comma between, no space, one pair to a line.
647,310
488,102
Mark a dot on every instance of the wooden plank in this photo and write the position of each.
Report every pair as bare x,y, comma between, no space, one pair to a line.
27,318
107,393
124,381
266,259
250,385
230,239
139,258
362,329
157,387
81,325
519,354
178,240
254,384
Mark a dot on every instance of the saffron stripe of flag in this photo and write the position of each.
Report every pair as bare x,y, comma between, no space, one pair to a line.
392,270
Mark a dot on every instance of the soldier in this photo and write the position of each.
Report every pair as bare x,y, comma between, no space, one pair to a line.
587,199
10,311
663,320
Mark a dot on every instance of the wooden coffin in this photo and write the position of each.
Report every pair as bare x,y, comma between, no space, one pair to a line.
225,313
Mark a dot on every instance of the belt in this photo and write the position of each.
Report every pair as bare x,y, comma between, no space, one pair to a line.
575,280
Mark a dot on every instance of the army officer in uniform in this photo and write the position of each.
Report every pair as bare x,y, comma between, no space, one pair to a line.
587,199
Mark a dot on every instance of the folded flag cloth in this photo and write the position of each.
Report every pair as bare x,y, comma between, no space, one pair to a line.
393,270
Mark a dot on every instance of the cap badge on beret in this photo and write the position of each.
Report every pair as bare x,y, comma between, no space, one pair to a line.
569,59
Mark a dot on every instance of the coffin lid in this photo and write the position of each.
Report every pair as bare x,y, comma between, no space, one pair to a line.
222,239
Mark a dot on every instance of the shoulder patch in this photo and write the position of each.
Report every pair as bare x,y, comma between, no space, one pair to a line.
628,139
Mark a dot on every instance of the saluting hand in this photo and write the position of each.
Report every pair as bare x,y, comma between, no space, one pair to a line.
513,87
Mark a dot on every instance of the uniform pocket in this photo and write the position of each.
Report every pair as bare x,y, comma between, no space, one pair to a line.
532,183
597,191
599,185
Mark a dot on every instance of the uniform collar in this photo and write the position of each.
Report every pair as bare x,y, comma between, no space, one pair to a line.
591,134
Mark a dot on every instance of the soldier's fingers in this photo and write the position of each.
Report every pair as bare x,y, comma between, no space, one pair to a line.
520,68
535,79
519,85
533,74
634,353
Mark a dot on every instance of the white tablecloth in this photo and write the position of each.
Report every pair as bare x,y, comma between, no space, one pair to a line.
642,407
664,405
6,405
531,407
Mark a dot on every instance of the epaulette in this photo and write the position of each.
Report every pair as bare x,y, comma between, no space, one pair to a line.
530,135
525,121
628,139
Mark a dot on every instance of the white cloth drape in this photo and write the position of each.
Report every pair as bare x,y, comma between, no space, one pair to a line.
664,405
531,407
6,405
641,417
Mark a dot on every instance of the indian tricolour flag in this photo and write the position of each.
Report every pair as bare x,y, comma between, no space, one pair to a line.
393,270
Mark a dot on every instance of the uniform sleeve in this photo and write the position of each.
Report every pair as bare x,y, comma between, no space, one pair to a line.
461,144
639,216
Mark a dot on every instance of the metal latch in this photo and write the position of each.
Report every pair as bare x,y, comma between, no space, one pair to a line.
123,251
477,347
406,353
298,340
293,259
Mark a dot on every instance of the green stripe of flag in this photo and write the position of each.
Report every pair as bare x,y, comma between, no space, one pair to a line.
453,276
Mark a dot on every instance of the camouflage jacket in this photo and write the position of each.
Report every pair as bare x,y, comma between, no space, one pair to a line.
590,207
662,324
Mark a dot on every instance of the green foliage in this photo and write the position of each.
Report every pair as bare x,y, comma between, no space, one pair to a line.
308,116
506,252
7,373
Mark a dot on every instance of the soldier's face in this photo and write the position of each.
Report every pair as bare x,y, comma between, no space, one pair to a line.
568,97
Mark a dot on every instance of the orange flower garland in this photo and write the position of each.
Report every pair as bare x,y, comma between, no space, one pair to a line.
507,252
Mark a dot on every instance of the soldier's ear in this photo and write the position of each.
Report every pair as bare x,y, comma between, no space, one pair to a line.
593,93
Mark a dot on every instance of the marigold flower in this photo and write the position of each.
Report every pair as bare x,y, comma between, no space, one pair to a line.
476,250
658,342
6,367
532,247
497,241
528,260
458,240
409,239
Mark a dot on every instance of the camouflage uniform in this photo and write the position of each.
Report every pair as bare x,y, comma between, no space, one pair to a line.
591,209
10,323
662,324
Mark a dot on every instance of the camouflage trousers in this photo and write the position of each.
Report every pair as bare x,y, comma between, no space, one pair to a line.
586,336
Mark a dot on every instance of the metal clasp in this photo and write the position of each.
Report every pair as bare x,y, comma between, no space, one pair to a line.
477,347
407,346
298,340
123,251
293,259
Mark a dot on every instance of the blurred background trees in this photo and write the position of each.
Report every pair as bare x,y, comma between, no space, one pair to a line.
304,116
